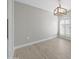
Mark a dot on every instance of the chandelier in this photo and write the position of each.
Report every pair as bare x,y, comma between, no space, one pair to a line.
59,11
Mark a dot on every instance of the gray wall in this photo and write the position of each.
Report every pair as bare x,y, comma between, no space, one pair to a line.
32,24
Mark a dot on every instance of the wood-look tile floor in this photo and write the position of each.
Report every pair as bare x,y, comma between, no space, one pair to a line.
51,49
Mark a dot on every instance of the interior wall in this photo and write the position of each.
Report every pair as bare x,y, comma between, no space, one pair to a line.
32,24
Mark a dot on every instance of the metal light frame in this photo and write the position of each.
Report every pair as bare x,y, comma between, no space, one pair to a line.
59,11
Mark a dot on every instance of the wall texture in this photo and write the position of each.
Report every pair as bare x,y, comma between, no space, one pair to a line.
32,24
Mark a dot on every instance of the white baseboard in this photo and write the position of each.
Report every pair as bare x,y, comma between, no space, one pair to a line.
35,42
64,37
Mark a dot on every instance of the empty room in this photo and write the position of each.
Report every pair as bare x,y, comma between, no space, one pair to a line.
42,29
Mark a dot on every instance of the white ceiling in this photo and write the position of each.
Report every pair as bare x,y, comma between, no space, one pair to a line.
48,5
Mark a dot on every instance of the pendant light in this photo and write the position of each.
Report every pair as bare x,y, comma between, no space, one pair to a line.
59,11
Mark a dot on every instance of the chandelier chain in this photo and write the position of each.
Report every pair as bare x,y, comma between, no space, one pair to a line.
59,2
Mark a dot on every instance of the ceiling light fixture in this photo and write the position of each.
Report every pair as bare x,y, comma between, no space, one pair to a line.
59,11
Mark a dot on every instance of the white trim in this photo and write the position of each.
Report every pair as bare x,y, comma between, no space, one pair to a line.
35,42
10,16
32,6
64,37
